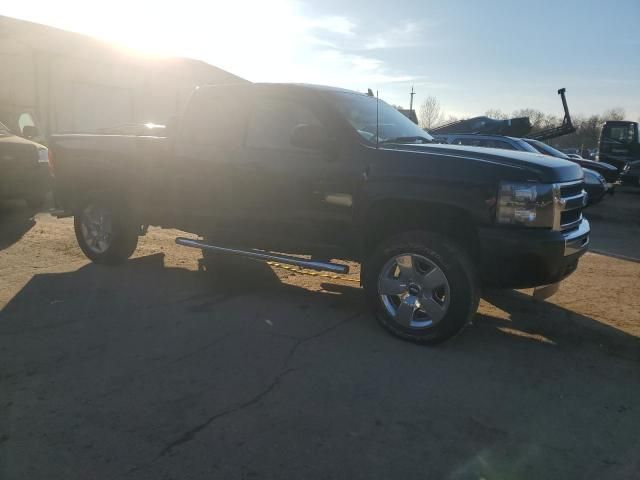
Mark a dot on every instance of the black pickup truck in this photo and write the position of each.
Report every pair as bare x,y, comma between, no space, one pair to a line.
332,174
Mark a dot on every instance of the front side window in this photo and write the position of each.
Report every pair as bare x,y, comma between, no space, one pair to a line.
272,121
547,149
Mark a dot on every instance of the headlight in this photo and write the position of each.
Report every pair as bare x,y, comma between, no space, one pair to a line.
43,155
529,204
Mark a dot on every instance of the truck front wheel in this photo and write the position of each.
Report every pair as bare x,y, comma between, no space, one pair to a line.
105,233
421,286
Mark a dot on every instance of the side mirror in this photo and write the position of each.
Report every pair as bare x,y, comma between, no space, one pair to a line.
29,131
313,137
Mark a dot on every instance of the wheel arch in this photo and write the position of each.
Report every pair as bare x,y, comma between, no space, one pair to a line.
388,217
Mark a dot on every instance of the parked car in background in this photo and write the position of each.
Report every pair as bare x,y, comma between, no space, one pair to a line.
571,151
595,185
609,172
598,185
488,141
24,172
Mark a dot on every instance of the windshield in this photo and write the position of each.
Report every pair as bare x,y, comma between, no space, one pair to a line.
4,130
546,149
360,111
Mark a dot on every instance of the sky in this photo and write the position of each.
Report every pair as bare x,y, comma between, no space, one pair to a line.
471,55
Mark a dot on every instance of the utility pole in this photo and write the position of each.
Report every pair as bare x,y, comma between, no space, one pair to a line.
411,99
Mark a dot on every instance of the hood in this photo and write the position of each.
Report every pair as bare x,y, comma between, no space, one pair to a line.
547,169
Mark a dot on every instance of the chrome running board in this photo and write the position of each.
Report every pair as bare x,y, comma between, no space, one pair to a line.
266,256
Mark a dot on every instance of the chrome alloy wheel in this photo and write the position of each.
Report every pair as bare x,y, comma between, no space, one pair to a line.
414,291
96,228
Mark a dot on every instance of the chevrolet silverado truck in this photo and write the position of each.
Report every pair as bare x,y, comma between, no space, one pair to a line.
323,173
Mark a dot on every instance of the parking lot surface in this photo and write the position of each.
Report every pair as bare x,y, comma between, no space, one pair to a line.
155,370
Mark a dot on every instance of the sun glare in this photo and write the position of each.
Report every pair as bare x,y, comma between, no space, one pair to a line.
243,37
273,41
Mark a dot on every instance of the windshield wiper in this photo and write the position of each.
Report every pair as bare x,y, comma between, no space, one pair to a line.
407,139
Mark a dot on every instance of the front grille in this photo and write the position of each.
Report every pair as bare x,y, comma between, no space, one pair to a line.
570,216
571,189
570,201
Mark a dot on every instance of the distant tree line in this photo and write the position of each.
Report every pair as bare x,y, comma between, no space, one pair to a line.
431,115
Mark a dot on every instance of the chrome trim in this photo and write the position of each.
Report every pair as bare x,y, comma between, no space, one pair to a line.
575,198
564,204
265,256
577,240
570,225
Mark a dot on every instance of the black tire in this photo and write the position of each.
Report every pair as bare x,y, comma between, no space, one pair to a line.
454,263
123,238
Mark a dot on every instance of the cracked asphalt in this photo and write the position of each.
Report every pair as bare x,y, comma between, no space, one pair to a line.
156,370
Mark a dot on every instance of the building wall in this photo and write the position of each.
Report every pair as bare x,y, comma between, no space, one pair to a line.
71,82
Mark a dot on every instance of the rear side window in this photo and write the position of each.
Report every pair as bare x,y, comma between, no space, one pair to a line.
272,121
215,116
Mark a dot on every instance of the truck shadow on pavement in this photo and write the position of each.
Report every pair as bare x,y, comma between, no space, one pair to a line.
125,367
15,221
145,283
553,325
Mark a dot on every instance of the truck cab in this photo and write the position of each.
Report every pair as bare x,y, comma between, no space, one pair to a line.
619,143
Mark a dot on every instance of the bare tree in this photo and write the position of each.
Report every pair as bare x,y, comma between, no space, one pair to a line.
496,113
614,114
430,113
450,119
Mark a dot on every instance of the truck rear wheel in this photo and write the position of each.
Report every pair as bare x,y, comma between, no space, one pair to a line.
105,233
421,286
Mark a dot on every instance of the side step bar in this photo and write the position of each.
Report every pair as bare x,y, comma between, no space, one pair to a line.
265,256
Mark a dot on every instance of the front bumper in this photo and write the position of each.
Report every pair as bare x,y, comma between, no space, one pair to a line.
20,183
524,257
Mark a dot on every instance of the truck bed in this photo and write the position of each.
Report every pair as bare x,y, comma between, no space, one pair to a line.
93,163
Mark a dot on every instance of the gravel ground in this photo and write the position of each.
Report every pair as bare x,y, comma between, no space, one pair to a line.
154,370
